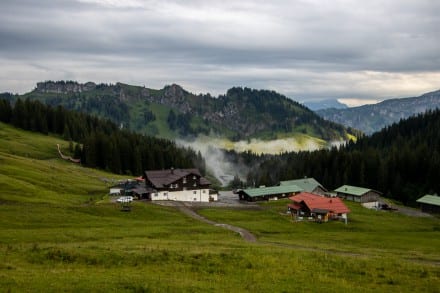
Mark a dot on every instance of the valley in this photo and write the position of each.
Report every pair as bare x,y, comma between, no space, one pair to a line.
60,232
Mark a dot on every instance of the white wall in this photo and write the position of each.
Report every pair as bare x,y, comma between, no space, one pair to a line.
115,191
184,195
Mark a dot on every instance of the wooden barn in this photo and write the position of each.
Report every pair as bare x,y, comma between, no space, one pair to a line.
430,203
358,194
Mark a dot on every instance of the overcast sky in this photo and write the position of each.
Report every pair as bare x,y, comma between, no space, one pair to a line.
375,49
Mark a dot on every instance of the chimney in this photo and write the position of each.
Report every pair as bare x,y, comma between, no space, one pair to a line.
172,170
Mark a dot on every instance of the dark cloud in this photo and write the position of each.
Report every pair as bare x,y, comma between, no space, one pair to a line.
310,49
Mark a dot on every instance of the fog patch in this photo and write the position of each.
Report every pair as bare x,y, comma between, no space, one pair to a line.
224,169
277,146
216,160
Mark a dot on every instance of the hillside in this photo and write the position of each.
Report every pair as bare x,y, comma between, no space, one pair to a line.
172,112
60,232
372,118
99,143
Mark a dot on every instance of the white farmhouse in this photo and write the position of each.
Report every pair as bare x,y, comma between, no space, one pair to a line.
179,185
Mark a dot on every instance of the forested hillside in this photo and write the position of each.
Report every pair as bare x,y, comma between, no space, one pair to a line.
402,161
99,143
173,112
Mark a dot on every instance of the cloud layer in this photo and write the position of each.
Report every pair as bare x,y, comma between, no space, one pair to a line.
303,49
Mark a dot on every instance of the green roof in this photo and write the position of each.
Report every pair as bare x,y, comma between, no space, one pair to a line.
307,184
274,190
430,199
353,190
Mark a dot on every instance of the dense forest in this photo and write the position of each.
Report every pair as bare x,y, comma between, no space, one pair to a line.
100,143
402,161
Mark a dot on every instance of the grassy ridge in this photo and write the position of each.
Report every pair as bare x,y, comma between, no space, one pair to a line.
59,232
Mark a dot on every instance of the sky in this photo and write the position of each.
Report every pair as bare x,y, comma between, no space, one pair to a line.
359,51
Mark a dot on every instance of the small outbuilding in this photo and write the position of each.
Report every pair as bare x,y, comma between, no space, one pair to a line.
430,203
358,194
268,193
307,184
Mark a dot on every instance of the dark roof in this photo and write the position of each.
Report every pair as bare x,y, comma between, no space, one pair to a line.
126,184
162,178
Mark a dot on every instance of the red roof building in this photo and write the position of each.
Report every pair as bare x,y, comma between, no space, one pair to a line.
309,205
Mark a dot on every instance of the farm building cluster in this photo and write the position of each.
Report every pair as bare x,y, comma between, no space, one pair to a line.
312,201
170,184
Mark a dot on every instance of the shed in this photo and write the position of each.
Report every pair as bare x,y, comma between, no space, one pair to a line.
267,193
429,203
358,194
307,184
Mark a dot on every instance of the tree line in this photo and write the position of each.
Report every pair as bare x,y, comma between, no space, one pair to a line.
100,143
402,161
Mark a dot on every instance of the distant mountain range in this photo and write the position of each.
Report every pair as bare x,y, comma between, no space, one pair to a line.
173,112
325,104
372,118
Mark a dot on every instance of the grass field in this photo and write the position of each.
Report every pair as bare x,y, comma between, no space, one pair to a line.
59,232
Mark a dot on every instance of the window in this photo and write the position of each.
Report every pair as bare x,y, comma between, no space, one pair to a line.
195,192
195,184
184,180
204,191
156,194
194,177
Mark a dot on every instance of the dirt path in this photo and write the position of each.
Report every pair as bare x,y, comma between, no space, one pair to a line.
412,212
248,236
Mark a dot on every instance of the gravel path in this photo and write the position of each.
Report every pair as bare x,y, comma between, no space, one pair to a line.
248,236
412,212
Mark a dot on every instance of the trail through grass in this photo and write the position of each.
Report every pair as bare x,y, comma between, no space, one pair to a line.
59,232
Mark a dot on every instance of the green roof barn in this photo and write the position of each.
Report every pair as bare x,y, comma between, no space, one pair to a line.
307,184
429,203
358,194
266,193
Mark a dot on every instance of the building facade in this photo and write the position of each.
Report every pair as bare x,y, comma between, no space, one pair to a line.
179,185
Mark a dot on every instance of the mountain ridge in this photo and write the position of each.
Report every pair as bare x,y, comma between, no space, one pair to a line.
372,118
173,112
325,104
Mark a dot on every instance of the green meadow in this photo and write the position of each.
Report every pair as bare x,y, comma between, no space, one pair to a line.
59,231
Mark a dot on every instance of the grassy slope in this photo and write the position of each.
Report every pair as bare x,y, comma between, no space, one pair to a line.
59,233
